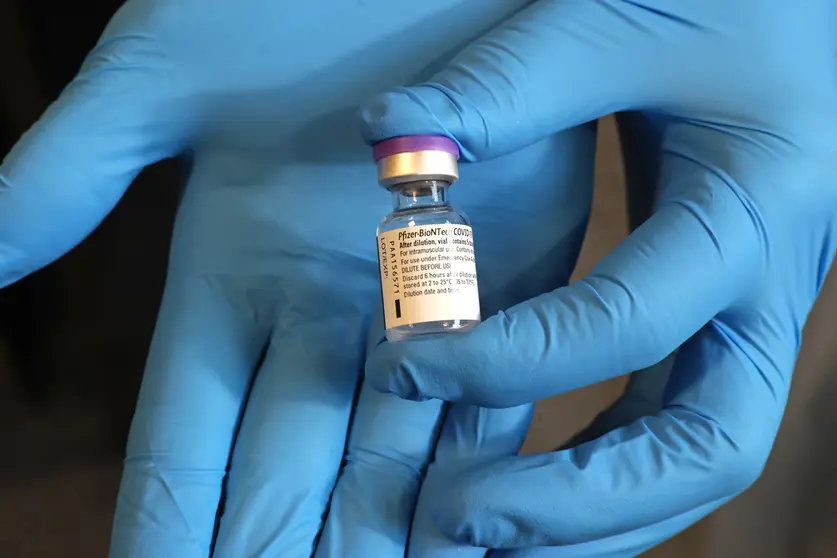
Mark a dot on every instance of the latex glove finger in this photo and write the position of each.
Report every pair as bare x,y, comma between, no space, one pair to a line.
69,170
640,302
206,345
612,547
374,502
291,443
643,397
470,435
491,97
641,137
722,409
372,507
390,444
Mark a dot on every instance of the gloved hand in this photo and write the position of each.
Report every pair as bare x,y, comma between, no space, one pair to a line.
273,281
730,109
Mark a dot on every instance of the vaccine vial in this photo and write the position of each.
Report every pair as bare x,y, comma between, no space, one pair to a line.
425,246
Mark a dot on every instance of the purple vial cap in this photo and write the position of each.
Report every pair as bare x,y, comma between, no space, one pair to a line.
411,144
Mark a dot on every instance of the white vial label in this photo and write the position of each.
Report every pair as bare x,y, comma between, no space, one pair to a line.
428,274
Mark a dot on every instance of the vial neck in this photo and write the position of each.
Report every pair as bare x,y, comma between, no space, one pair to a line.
420,194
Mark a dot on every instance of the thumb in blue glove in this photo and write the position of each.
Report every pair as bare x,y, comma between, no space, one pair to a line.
724,271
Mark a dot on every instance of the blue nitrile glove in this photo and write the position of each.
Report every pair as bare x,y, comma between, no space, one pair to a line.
736,102
273,278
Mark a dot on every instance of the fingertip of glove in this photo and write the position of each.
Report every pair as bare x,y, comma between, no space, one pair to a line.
401,111
463,512
388,370
385,379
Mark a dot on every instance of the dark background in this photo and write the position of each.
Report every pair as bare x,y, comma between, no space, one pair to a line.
73,339
113,280
73,336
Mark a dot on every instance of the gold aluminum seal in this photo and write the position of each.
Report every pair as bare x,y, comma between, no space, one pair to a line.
417,165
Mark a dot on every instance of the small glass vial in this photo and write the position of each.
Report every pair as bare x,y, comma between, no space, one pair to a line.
425,246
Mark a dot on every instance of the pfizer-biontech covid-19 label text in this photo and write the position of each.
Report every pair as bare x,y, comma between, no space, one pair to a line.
428,274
